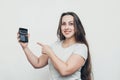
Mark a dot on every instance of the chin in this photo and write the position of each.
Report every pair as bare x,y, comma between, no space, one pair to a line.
68,37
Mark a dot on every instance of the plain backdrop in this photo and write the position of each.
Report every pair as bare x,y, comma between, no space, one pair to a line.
100,19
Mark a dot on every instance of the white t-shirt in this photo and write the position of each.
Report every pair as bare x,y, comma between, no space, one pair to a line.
64,54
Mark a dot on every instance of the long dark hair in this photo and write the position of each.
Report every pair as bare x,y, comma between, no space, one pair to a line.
80,38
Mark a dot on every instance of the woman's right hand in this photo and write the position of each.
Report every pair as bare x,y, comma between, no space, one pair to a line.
23,45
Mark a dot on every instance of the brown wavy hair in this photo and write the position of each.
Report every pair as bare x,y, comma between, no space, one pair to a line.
80,38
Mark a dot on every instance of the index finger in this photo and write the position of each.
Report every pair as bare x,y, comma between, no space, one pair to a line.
40,44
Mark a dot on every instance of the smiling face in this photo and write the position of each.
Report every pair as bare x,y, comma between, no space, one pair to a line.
67,26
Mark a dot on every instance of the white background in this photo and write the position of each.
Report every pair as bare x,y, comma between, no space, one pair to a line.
99,17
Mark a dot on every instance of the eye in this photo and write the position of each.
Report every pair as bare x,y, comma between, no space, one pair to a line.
63,23
71,23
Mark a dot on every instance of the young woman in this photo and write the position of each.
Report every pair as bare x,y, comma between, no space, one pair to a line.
69,57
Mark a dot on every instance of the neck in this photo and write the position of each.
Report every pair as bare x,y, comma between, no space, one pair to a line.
69,41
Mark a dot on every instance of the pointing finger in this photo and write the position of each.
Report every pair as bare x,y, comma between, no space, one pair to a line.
40,44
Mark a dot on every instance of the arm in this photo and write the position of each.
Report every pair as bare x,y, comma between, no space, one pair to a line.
36,62
70,66
64,68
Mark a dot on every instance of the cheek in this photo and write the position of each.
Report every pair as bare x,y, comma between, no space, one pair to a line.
73,29
62,29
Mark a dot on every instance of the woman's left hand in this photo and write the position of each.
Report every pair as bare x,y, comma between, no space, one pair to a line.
46,49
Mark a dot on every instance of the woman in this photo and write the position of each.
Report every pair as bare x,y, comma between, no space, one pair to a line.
69,57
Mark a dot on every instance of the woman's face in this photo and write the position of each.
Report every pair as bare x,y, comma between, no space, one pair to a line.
67,26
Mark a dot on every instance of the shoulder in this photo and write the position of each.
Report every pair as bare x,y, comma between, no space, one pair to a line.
56,43
81,49
80,46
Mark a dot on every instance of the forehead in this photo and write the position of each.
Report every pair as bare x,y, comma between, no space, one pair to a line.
67,18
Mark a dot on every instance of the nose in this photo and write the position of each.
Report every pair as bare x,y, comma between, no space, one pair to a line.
66,26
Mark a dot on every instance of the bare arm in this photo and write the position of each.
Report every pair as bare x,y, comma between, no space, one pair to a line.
68,67
36,62
74,62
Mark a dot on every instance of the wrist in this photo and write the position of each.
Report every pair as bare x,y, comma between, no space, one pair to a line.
24,48
51,54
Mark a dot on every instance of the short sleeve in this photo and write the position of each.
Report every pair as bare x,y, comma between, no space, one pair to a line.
81,49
